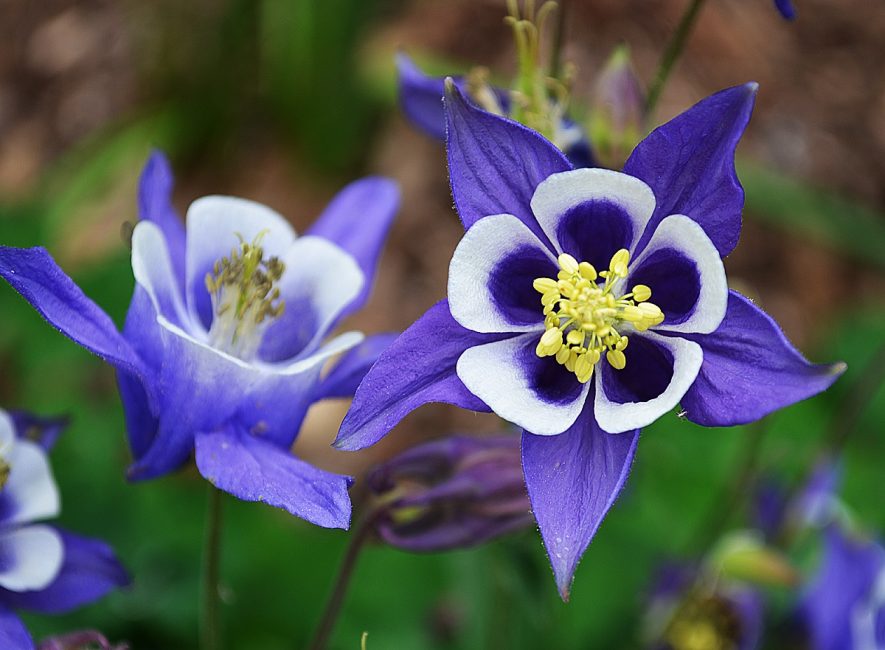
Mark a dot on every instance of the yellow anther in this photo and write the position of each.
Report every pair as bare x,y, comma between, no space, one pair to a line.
545,285
582,314
568,263
550,343
619,262
587,271
617,359
641,293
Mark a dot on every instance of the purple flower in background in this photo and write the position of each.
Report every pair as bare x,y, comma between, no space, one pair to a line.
786,8
585,303
685,613
421,100
42,568
843,607
227,334
450,493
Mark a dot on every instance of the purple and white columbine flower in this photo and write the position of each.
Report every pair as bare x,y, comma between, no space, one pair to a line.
42,568
843,607
226,334
591,355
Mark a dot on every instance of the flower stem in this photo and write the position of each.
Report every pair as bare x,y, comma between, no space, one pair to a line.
672,53
210,628
361,534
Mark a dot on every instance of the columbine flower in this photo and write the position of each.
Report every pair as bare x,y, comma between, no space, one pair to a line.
589,302
450,493
42,568
537,100
843,607
225,337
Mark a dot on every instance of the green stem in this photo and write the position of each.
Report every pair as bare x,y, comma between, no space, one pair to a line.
733,493
672,53
558,39
210,628
332,609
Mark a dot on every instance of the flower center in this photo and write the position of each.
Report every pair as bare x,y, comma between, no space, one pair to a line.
245,298
581,316
4,473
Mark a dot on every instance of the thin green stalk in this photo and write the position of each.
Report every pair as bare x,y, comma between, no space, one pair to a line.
558,40
360,536
210,627
672,53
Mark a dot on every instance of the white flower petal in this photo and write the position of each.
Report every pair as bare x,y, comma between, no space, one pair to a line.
153,271
7,434
559,193
677,235
215,225
491,274
30,492
619,416
320,280
30,558
536,394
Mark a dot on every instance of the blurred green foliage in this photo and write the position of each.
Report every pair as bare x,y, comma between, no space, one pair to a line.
296,63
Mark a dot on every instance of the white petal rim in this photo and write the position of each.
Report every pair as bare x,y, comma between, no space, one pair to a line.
483,246
35,555
492,372
31,490
615,417
557,194
680,233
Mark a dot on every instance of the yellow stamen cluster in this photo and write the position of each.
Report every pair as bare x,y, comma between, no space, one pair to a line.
4,473
244,295
581,315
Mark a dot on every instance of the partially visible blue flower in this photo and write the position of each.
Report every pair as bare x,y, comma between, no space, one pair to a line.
42,568
227,333
688,611
843,607
421,100
786,8
455,492
584,303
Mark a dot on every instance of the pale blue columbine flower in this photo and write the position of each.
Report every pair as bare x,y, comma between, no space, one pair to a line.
42,568
228,332
584,303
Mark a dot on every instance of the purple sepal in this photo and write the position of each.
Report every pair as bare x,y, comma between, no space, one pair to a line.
358,220
786,8
495,164
155,204
573,479
834,599
253,469
689,164
346,375
417,368
90,571
750,369
451,493
750,612
43,431
420,97
13,633
35,275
